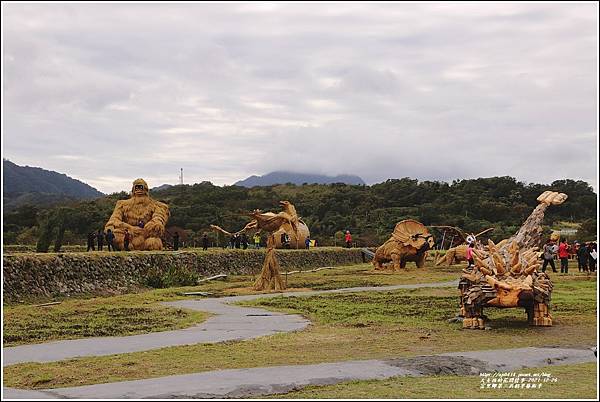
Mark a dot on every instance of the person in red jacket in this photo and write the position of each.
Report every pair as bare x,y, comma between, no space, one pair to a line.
348,239
563,254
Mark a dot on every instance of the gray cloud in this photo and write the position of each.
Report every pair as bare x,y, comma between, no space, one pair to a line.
110,92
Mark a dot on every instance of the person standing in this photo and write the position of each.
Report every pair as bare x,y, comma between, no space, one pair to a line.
593,256
176,241
583,255
238,241
348,239
563,254
205,242
126,239
548,256
256,240
110,237
91,239
307,242
469,255
232,241
244,241
100,238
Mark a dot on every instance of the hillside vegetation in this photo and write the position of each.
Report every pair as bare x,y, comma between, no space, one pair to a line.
369,212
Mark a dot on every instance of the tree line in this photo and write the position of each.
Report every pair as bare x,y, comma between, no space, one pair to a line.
369,212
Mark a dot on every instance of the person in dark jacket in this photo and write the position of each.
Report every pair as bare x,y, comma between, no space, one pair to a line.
232,241
126,239
91,240
593,255
110,237
238,241
204,242
583,256
100,238
244,241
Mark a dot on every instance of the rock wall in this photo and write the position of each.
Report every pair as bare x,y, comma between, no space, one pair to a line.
27,276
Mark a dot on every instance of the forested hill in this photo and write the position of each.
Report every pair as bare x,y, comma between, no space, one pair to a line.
34,185
369,212
274,178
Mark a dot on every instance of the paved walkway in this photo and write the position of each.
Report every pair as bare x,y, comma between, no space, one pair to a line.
245,383
229,323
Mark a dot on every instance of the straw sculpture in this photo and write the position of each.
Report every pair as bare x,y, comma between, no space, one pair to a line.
507,274
143,217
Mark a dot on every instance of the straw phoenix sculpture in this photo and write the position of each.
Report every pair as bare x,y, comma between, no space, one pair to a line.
507,274
285,221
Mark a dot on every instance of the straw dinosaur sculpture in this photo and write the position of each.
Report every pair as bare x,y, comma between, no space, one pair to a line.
458,253
410,241
139,208
507,274
285,221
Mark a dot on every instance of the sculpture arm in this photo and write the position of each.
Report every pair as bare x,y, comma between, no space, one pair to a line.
156,225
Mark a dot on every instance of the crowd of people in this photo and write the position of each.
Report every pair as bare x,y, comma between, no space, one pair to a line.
583,252
101,238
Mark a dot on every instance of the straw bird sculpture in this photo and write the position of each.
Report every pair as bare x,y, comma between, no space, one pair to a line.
285,221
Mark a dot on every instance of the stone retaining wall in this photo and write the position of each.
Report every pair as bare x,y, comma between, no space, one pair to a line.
32,275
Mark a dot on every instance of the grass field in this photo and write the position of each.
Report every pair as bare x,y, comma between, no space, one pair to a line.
363,325
81,318
140,312
575,381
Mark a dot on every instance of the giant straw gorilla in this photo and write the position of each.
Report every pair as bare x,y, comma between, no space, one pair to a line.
128,214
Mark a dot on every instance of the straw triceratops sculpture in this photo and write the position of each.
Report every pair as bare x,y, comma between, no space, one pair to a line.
410,241
507,274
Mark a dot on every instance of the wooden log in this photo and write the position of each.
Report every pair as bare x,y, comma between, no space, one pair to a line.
220,276
47,304
196,294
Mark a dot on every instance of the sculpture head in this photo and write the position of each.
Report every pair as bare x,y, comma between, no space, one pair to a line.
139,188
289,208
414,234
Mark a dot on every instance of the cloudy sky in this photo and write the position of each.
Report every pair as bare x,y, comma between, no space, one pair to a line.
107,93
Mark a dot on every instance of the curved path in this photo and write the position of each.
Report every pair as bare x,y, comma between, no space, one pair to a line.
229,323
252,382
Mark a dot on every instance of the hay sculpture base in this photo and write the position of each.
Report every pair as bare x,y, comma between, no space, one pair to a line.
270,278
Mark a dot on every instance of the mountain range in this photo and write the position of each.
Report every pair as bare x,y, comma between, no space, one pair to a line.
281,177
34,185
